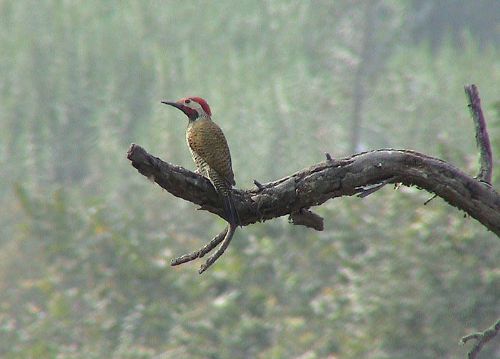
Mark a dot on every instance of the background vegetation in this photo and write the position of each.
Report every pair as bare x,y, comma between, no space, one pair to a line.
86,241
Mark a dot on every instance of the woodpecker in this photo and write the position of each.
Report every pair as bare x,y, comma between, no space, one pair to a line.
209,149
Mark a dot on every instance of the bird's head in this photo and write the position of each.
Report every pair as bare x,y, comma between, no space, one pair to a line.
193,107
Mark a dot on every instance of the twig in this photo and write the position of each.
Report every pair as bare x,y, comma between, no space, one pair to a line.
200,252
225,237
220,251
482,139
258,184
305,217
482,338
430,199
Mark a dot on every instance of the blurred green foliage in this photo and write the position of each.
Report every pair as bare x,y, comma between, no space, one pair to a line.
86,241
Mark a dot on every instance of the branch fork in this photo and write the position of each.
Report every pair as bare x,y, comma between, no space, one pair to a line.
481,338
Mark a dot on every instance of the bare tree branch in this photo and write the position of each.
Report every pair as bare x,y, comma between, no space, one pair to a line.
202,251
482,338
305,217
482,139
330,179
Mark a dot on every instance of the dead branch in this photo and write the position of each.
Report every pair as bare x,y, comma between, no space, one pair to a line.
481,339
482,138
305,217
330,179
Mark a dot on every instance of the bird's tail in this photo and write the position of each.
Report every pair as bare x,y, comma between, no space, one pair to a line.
230,208
223,188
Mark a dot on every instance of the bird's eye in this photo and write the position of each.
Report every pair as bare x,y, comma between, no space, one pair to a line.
187,101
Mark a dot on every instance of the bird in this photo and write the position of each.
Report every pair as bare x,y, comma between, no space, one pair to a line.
209,150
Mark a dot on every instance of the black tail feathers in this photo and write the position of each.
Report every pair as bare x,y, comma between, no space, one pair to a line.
230,210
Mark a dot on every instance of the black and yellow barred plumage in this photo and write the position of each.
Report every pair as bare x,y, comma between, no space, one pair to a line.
211,155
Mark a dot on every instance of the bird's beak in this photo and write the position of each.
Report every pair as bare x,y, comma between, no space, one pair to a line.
175,104
189,112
